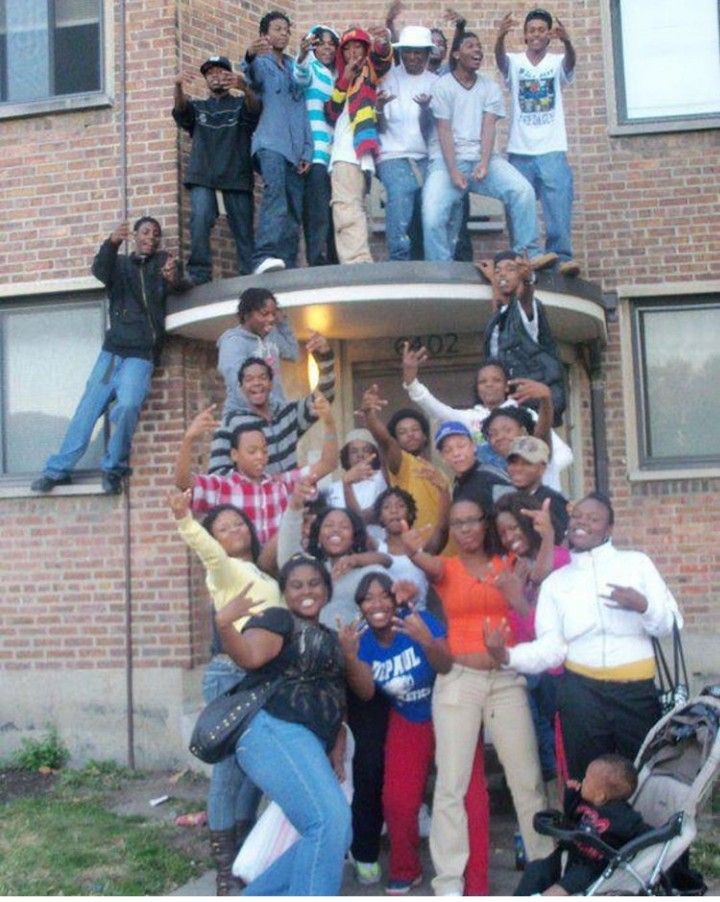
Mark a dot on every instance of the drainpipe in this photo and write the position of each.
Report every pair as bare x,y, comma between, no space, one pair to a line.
593,364
127,520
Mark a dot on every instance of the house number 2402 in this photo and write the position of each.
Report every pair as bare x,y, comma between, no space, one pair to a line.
437,344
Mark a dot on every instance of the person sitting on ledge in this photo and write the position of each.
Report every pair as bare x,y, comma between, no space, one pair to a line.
137,286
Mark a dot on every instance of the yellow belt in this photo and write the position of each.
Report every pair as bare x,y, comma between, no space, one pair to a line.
623,673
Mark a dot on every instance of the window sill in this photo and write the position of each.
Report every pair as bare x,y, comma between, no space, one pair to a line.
19,488
617,130
635,474
68,104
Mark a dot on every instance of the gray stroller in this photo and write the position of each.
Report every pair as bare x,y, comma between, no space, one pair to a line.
677,765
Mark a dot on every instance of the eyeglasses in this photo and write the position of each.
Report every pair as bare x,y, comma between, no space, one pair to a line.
468,521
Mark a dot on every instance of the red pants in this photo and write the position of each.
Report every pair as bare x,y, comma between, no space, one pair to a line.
409,751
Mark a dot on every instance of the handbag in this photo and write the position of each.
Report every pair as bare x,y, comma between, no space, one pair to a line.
222,721
673,687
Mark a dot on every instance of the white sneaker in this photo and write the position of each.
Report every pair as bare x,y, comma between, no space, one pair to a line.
269,264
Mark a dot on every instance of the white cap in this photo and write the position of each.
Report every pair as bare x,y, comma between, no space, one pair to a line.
416,36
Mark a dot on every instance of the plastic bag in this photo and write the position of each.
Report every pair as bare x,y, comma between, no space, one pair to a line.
273,833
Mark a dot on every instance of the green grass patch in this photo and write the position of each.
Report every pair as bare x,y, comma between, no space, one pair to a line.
47,752
705,856
52,846
97,776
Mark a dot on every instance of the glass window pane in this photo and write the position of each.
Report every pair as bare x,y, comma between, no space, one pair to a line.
47,356
76,12
671,60
682,373
27,50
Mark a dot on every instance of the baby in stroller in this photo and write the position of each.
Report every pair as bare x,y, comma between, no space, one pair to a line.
600,804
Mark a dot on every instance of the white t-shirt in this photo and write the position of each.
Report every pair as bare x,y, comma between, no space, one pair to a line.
343,149
538,119
402,138
464,108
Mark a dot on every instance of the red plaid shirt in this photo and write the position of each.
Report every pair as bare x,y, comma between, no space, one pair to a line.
264,502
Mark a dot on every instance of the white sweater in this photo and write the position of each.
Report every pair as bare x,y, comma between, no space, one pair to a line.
574,624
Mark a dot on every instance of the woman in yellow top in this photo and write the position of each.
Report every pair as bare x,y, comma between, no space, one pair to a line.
228,547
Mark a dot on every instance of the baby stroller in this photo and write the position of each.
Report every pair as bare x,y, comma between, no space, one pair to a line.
677,765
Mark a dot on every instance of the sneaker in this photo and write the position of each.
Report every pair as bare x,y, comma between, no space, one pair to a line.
269,264
46,484
111,483
543,260
368,872
569,268
401,887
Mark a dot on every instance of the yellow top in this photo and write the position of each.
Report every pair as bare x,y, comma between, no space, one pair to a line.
227,576
623,673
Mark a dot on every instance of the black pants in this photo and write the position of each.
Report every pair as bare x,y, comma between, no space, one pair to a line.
601,716
542,873
368,722
317,217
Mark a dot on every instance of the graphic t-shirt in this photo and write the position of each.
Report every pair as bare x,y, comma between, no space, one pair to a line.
538,118
402,671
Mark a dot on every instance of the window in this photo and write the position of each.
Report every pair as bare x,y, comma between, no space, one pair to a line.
51,54
47,352
677,372
666,63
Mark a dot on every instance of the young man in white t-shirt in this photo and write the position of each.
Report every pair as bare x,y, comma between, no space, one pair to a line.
537,146
466,106
404,124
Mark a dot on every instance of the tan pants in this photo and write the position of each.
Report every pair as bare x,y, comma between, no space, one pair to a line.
349,213
464,700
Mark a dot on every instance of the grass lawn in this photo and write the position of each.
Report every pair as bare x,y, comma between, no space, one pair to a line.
68,841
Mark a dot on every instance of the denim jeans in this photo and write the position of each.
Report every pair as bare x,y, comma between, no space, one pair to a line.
278,228
442,209
317,222
203,213
288,762
403,191
125,379
231,797
552,179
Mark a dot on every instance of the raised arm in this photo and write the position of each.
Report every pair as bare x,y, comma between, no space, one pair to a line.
371,406
252,648
531,390
420,393
318,346
104,262
570,57
204,423
329,455
414,543
507,23
357,672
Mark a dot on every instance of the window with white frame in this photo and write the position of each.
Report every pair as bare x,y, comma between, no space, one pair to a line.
666,62
47,350
677,374
51,51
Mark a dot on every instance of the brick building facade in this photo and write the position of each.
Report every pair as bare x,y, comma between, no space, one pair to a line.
100,598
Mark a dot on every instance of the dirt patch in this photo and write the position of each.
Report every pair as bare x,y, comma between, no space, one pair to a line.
15,783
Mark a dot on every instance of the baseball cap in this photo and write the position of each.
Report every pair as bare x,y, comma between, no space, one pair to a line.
222,61
533,450
448,428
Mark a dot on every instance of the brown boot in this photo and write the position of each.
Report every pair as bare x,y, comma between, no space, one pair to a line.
222,847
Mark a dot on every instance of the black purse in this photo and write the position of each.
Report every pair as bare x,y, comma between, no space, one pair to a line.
222,721
673,687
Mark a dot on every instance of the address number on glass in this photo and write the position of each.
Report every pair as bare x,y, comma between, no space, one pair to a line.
437,344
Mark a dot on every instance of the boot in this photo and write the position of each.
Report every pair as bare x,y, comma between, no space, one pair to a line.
242,829
222,847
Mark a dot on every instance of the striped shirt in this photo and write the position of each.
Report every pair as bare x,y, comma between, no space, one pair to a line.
317,81
264,502
288,423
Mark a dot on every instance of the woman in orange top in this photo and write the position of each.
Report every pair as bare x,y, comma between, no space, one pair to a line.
473,694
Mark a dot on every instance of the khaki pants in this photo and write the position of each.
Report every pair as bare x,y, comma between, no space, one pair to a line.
349,213
463,701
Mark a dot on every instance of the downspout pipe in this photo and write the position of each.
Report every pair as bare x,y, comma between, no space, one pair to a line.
597,414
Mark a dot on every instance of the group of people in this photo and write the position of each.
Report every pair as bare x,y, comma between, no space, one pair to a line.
373,102
430,609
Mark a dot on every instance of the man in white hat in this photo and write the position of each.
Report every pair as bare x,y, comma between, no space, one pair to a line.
404,124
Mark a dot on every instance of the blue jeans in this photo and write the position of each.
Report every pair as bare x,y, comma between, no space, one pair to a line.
203,213
280,214
317,221
552,179
125,379
442,208
289,763
231,797
403,192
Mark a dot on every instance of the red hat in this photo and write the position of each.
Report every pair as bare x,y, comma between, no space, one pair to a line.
352,34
